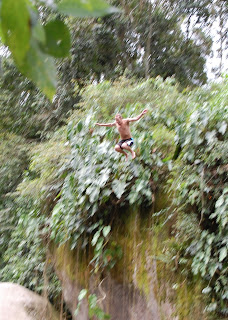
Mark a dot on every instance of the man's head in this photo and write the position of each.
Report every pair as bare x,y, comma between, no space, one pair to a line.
118,118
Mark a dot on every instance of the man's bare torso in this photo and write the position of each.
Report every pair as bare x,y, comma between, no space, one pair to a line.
124,129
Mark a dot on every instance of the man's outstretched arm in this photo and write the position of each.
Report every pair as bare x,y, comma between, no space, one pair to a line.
106,124
137,118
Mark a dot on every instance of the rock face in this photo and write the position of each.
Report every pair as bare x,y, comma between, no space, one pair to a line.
142,285
19,303
120,301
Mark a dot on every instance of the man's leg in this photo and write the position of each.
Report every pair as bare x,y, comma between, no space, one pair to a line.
126,146
118,149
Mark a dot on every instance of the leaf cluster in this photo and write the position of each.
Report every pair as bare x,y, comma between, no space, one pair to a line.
200,186
34,45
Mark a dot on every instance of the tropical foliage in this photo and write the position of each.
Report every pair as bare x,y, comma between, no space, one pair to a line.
73,192
201,191
62,183
35,45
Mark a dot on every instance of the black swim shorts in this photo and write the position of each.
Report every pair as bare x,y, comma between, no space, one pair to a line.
129,142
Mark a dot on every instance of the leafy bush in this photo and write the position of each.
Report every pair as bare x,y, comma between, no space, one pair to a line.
75,185
201,190
23,226
25,259
13,161
130,95
99,180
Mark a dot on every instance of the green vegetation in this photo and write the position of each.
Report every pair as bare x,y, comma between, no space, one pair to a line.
201,193
70,206
33,44
75,185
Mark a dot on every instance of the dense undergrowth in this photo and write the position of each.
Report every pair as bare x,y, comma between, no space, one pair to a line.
74,184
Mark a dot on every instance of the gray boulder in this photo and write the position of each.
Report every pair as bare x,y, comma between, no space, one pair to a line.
19,303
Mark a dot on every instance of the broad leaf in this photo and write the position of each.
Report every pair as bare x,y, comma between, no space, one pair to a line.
106,231
40,68
104,176
222,254
57,209
85,8
99,244
82,294
118,187
206,290
92,301
79,126
223,127
93,192
57,39
16,27
219,202
95,238
210,136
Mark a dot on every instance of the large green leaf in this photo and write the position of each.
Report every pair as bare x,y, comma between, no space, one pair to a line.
57,39
16,27
86,8
40,68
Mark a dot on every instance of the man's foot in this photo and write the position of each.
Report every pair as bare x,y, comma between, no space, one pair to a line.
126,157
133,155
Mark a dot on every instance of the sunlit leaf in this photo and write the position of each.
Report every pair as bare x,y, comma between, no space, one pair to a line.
103,178
82,294
86,8
93,193
222,254
99,244
106,231
56,209
206,290
219,202
16,27
92,300
95,238
223,127
118,187
210,136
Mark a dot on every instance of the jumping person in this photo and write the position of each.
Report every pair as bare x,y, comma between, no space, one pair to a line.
125,134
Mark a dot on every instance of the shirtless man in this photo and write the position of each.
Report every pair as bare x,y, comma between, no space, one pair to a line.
125,134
